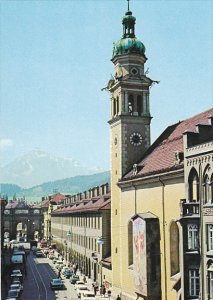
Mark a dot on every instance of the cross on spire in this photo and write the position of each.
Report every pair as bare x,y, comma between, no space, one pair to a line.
128,4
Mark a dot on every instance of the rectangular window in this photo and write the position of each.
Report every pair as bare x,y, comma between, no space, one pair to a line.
192,236
194,282
211,285
210,237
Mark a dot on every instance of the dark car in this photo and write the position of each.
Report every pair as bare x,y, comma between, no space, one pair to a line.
68,274
16,276
39,254
57,283
74,278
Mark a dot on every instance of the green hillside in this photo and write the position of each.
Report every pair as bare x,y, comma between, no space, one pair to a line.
71,185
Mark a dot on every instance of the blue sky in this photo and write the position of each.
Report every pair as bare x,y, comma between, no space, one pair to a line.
55,58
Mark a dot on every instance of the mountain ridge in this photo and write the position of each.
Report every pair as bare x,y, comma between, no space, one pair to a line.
37,167
70,185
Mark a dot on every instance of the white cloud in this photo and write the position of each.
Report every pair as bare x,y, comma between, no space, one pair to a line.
5,143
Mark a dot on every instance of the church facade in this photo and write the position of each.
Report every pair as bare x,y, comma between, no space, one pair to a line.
150,236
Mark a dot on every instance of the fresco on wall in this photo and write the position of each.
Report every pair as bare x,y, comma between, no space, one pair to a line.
139,252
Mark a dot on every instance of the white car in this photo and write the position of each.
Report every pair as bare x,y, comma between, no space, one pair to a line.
64,269
16,272
16,287
79,282
88,295
59,264
81,289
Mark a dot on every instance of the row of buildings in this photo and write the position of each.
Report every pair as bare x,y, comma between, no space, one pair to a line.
148,234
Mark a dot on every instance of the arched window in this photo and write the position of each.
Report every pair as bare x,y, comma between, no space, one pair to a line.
206,189
139,105
130,243
208,185
114,107
210,278
117,104
131,105
174,249
193,186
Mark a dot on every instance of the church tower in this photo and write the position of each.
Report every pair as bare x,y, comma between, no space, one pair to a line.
129,123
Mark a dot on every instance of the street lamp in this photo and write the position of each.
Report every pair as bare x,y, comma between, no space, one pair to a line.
69,235
100,241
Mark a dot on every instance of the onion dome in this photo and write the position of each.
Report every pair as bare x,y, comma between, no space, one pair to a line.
128,44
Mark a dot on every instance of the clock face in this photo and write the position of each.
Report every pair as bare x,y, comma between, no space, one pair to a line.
136,139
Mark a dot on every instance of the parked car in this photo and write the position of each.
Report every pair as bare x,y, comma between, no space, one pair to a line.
17,287
39,254
68,274
74,278
57,283
16,281
88,295
81,289
13,294
59,265
64,269
79,282
16,276
16,271
13,242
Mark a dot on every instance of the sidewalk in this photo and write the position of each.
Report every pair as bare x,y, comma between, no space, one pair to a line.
89,282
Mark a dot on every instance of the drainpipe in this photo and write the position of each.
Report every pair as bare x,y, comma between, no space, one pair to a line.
164,230
135,199
201,234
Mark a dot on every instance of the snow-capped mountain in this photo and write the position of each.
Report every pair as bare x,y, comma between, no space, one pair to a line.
38,167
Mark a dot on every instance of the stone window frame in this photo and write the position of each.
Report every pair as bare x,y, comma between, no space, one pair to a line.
194,282
193,236
210,236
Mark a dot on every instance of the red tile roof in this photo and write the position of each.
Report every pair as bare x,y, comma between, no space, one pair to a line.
92,204
16,204
57,198
160,157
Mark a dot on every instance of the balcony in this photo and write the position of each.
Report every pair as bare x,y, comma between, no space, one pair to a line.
189,208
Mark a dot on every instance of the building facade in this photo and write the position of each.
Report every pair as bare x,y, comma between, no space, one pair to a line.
197,213
81,230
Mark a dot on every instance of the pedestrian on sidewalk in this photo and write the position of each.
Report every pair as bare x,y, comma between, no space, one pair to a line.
118,297
94,288
104,291
84,279
59,274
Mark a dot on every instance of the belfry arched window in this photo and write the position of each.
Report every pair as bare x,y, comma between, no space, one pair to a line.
174,249
193,184
139,105
131,104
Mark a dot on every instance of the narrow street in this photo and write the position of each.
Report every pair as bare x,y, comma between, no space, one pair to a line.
37,281
40,271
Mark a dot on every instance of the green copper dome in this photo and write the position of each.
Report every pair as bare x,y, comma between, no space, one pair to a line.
128,44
